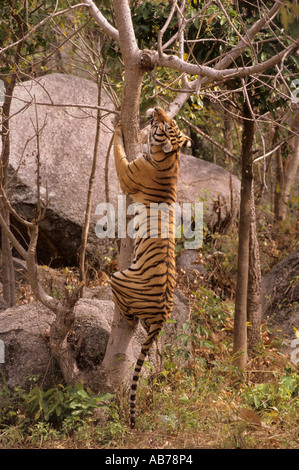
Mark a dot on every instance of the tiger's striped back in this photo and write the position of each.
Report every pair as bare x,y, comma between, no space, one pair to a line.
145,289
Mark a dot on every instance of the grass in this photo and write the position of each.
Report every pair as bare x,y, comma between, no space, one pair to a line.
194,402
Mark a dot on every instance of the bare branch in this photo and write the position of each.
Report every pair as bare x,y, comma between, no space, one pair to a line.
12,238
269,153
39,25
101,20
206,74
213,142
265,19
214,74
30,258
219,3
127,40
6,202
162,31
71,105
186,22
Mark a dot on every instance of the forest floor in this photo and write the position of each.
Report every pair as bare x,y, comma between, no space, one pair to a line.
198,400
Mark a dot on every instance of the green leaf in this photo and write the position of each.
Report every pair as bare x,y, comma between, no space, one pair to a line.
256,401
184,398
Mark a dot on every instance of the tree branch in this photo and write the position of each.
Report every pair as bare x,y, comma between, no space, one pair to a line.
39,25
213,142
249,35
101,20
175,63
12,238
208,73
71,105
127,40
162,31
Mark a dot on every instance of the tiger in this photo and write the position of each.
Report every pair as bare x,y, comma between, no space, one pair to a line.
145,290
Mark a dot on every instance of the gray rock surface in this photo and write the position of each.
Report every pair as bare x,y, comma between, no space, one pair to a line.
280,295
189,264
25,330
66,150
202,181
25,333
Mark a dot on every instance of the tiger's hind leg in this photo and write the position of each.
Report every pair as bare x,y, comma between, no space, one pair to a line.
119,299
131,319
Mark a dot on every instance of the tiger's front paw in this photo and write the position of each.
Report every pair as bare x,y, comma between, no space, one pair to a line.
117,129
118,134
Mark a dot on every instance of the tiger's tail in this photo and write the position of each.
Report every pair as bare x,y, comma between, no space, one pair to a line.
152,335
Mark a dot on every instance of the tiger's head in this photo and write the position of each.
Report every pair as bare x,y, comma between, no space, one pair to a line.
165,132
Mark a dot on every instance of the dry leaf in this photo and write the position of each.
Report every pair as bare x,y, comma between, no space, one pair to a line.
217,337
250,416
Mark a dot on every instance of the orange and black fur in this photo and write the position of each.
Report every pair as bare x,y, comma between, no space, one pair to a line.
145,289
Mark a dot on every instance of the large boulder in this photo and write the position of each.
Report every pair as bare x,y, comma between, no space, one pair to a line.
24,335
66,142
219,192
280,289
24,331
67,137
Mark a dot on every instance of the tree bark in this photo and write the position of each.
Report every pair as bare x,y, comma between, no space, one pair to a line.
240,322
118,359
8,274
254,290
286,170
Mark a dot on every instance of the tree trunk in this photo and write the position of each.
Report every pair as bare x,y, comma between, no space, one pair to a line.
228,144
254,291
8,274
240,326
120,348
286,170
63,309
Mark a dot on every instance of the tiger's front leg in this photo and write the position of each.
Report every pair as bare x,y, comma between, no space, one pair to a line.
124,169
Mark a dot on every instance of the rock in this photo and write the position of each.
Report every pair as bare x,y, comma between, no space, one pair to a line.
189,264
100,293
202,181
280,295
92,329
25,330
3,304
25,333
66,151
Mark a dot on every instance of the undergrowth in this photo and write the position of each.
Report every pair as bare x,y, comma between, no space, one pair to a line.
194,401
